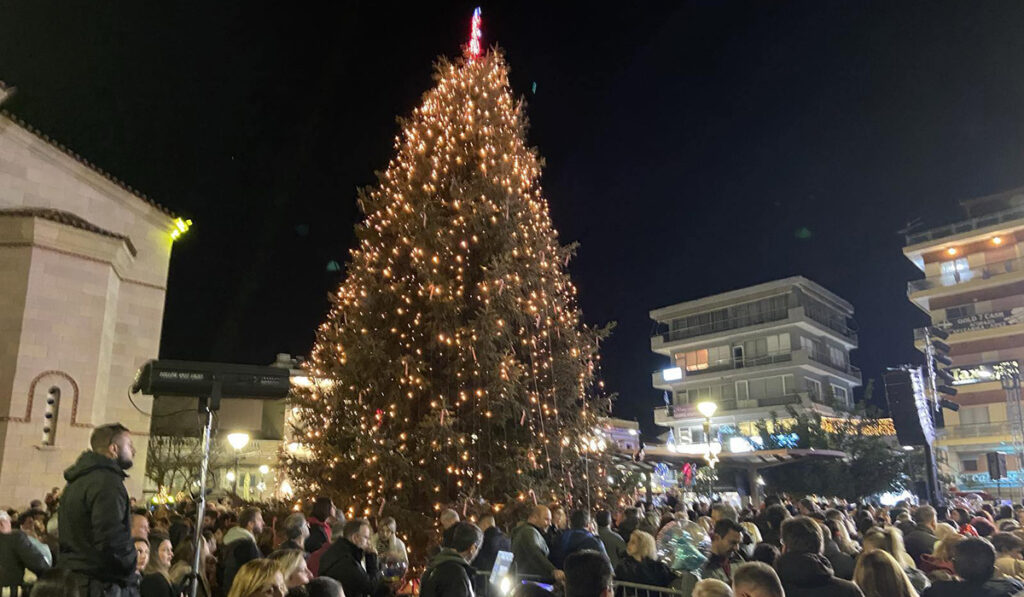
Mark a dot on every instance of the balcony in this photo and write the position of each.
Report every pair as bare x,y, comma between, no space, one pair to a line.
970,225
689,411
835,324
820,356
975,430
983,272
724,325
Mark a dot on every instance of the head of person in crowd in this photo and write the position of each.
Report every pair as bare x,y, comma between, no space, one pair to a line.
296,529
925,516
55,582
878,574
251,519
974,560
558,517
258,578
357,531
806,507
943,530
323,509
603,518
1005,512
641,546
752,531
142,548
5,522
140,523
540,517
388,527
292,563
765,552
774,515
801,534
863,520
756,579
889,540
466,539
726,537
983,525
486,521
943,550
338,528
962,516
722,510
324,586
114,441
1008,545
588,573
579,519
448,518
711,587
160,554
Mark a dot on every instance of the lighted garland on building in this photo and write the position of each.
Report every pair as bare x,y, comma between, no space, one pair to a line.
455,367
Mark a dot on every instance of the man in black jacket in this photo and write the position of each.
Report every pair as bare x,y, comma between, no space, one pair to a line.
576,538
974,560
94,522
449,573
494,541
803,569
352,561
921,539
240,545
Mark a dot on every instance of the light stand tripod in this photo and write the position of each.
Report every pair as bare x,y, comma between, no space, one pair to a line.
207,406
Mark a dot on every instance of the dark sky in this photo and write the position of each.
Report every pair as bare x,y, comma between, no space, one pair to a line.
686,143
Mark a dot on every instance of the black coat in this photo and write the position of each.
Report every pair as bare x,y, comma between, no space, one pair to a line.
842,564
94,522
317,534
156,585
17,554
919,541
810,575
494,541
341,562
448,575
646,572
572,541
996,587
237,553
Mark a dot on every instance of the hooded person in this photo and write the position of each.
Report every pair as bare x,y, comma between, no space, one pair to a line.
450,573
94,525
802,567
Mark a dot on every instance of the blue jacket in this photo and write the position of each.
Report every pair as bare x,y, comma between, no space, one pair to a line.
573,540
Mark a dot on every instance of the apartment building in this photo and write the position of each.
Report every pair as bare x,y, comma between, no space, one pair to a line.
753,351
973,288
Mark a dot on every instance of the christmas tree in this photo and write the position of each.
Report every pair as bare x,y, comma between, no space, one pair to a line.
454,369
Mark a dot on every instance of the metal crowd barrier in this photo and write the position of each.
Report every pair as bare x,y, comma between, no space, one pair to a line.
484,588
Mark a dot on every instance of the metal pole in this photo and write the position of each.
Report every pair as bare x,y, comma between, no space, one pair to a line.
204,408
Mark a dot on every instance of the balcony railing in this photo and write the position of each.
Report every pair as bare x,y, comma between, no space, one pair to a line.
984,221
824,358
724,325
983,272
689,411
835,324
975,430
768,359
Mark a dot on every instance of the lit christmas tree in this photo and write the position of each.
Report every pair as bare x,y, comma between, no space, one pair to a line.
454,366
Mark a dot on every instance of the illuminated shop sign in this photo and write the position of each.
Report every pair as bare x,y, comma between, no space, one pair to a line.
965,376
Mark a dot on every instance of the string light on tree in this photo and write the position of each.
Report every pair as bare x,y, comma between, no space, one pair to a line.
461,370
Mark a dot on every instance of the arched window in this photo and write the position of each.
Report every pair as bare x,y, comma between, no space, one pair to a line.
50,416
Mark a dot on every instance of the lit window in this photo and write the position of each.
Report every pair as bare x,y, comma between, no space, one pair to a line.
693,361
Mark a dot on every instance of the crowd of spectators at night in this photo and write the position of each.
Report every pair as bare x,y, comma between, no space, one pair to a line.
90,539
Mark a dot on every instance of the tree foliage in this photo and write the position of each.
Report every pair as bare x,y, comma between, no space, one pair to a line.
455,368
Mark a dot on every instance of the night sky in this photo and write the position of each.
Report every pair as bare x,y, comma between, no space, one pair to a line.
688,145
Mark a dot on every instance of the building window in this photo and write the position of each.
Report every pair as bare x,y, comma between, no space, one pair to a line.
956,271
960,312
969,466
50,416
973,415
813,388
742,390
838,357
840,394
692,361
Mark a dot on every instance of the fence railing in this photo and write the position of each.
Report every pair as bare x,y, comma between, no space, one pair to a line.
508,584
1007,215
975,430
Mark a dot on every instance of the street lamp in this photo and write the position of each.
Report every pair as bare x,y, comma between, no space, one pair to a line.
238,441
708,409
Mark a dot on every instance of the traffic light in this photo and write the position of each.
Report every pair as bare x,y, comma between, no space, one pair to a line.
938,363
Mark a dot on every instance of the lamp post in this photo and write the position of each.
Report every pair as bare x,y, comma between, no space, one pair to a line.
708,409
238,441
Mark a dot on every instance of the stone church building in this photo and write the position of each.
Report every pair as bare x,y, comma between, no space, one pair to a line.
83,275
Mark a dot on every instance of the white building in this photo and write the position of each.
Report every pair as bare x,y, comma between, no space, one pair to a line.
753,351
83,274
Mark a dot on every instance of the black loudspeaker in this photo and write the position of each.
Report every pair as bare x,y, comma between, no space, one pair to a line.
996,465
899,393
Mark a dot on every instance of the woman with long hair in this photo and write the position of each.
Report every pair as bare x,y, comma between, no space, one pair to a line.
258,578
878,574
293,567
641,567
181,565
156,581
890,540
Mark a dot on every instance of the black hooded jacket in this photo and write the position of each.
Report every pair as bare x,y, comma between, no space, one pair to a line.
94,522
342,562
810,575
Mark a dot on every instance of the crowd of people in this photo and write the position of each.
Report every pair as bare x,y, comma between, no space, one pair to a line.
89,539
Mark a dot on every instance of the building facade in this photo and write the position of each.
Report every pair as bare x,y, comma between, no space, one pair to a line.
83,265
973,288
753,352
